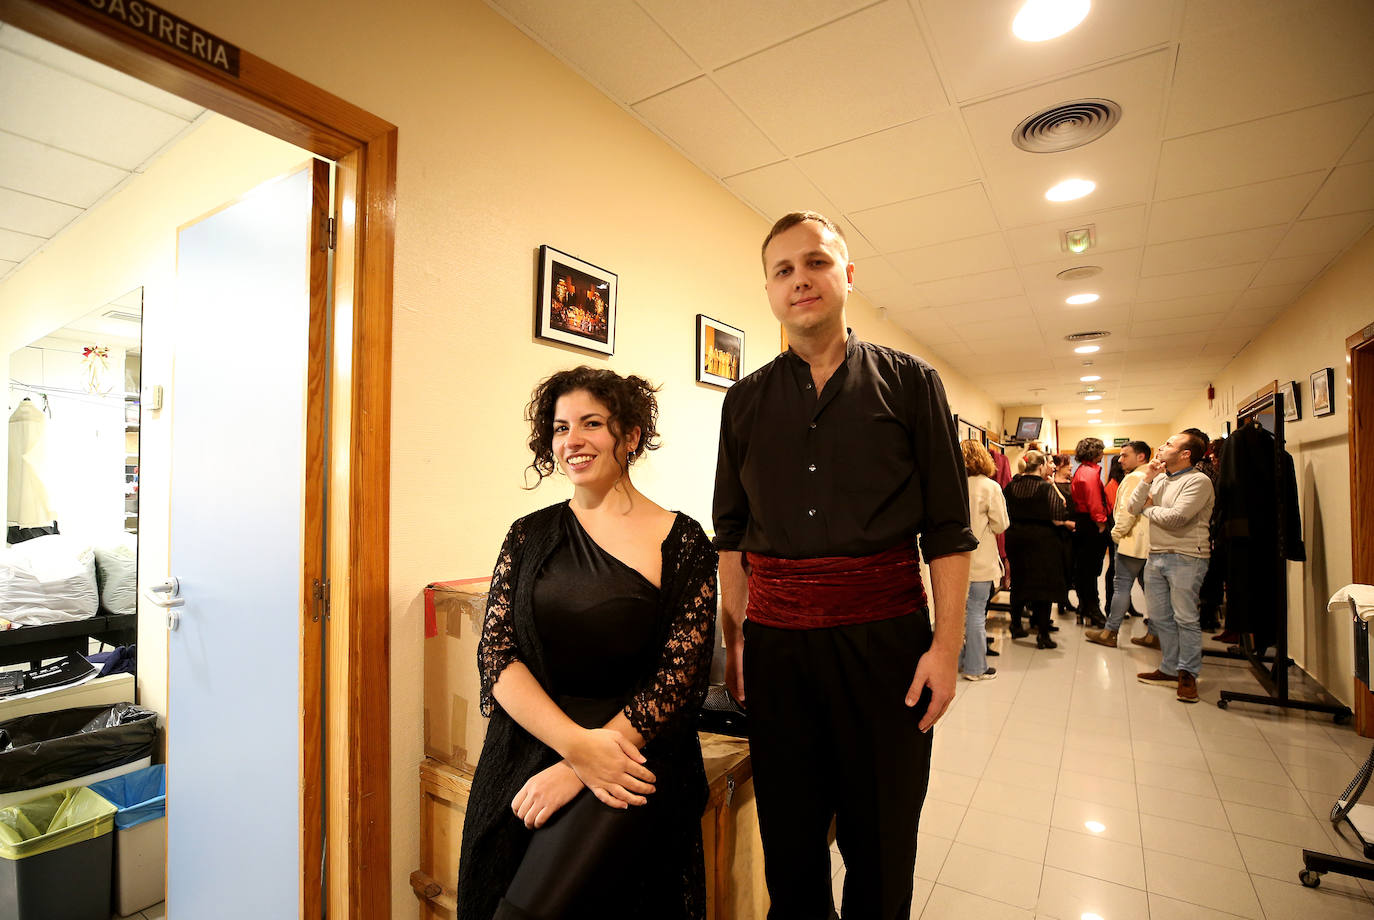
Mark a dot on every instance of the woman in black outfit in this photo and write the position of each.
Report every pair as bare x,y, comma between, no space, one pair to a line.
1034,551
1062,478
594,658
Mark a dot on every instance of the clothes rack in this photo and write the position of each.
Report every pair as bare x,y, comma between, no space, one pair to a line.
1272,674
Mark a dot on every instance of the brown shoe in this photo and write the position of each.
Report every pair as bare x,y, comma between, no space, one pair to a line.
1187,687
1105,637
1149,640
1157,677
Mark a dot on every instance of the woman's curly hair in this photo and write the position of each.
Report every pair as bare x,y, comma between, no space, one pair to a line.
629,401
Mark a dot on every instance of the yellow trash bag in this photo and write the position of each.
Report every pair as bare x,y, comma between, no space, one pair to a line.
53,821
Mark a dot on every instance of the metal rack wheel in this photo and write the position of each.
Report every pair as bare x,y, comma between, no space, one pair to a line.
1222,704
1310,878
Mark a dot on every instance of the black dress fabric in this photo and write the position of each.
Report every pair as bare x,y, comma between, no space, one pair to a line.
1035,552
1252,487
650,658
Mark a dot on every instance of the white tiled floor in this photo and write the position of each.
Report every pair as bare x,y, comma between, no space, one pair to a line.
1203,812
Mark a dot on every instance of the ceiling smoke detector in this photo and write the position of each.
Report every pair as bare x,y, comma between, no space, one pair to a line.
1085,336
1066,126
1078,273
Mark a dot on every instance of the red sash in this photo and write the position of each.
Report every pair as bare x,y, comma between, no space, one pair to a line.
834,590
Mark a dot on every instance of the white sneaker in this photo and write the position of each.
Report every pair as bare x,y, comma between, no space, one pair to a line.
989,674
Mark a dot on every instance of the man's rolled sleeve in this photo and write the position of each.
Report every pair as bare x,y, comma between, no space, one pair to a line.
944,482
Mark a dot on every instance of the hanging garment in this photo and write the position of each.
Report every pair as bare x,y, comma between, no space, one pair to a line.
1249,501
28,504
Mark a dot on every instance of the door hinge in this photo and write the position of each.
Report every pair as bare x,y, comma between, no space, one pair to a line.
321,593
332,231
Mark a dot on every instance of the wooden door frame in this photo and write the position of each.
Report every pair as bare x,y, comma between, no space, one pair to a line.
1359,389
357,723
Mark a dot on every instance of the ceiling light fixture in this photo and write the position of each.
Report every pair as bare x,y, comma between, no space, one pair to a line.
1078,299
1091,378
1094,421
1071,189
1093,396
1079,239
1087,349
1094,411
1041,20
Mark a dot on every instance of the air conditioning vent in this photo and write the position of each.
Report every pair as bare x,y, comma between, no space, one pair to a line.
122,315
1085,336
1145,409
1066,126
1079,273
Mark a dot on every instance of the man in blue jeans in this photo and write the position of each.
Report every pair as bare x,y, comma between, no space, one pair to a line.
1178,506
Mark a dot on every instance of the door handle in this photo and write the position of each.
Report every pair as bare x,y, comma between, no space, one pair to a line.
168,596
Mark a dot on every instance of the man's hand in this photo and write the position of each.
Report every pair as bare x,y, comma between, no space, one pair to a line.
611,767
1101,526
734,670
1153,469
938,670
544,793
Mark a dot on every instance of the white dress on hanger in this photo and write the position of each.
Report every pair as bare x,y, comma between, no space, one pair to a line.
28,505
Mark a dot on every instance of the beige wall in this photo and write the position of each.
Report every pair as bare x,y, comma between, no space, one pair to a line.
502,148
1154,435
128,241
1308,336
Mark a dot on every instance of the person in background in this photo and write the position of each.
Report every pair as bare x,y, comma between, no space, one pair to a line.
987,514
1036,511
1090,515
1061,477
1131,535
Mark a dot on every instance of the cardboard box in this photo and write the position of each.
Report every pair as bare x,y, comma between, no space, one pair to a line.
454,727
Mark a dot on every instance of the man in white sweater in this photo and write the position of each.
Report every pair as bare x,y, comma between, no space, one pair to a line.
1131,533
1178,506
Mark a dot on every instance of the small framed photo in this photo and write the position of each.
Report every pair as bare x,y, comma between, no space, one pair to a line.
1292,409
1322,381
576,302
720,352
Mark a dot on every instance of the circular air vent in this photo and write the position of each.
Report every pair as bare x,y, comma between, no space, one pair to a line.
1066,126
1085,336
1079,273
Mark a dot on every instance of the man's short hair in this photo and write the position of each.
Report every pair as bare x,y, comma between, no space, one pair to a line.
1089,450
1141,448
1195,446
788,221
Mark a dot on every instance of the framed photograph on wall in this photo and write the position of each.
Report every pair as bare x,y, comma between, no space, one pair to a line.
720,352
1292,408
1322,381
576,302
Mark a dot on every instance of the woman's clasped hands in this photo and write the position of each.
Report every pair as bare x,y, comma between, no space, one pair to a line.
599,759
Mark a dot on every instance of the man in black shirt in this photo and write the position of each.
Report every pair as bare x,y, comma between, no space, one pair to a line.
833,458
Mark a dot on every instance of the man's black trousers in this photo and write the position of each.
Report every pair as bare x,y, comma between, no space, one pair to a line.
830,736
1089,549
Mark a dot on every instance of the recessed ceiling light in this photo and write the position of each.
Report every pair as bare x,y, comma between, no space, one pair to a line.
1077,299
1041,20
1089,916
1086,349
1091,378
1096,827
1094,421
1094,411
1070,189
1091,396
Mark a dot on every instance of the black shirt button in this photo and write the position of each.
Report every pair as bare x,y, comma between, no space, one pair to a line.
813,426
812,467
811,513
808,386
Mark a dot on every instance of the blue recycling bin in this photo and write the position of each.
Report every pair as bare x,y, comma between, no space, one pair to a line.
140,844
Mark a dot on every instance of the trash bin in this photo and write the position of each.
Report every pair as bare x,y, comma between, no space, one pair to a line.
140,839
65,746
55,856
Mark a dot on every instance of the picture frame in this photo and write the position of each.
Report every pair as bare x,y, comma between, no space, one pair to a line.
575,303
1292,405
719,352
1321,394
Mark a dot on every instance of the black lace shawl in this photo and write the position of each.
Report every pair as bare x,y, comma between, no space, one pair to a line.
663,710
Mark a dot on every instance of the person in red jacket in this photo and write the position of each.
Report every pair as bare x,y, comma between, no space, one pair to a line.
1090,515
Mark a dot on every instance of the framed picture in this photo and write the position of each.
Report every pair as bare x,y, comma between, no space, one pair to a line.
1322,381
1292,408
576,302
720,352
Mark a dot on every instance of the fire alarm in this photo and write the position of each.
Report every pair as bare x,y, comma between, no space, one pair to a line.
1211,393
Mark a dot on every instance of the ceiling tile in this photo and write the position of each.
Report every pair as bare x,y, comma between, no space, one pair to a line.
1277,296
1180,345
1005,308
1296,270
887,79
1209,281
614,42
1121,228
935,218
716,32
983,286
1114,286
99,124
946,260
926,327
981,56
1278,201
33,215
1281,145
919,158
6,266
1025,330
904,298
1324,234
708,128
781,188
1264,64
54,174
1185,306
1261,316
1348,188
1016,347
1363,148
876,274
16,247
1199,323
1211,251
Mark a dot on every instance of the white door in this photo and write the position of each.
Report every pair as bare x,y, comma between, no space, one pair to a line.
238,547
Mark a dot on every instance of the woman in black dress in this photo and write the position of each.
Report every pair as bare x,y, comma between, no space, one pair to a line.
594,658
1038,513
